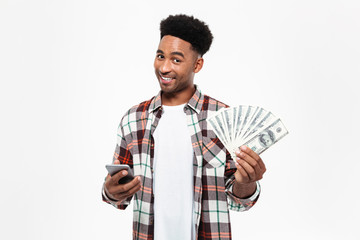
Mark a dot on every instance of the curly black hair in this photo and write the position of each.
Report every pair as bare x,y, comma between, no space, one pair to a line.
188,29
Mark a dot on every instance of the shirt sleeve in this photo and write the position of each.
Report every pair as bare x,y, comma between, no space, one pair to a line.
235,203
123,154
239,204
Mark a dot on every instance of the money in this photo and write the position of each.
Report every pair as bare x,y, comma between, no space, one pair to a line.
268,137
252,126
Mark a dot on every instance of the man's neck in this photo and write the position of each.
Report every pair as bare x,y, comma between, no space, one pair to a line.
173,99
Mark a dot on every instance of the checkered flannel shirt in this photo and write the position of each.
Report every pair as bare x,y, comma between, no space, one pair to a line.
213,168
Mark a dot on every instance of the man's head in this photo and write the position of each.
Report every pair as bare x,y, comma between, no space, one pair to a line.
184,40
189,29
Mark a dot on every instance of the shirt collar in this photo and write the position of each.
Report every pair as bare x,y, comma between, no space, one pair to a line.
195,101
155,102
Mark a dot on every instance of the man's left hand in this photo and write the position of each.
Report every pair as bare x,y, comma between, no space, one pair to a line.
250,167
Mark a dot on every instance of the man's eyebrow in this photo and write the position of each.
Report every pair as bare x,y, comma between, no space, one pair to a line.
178,53
173,53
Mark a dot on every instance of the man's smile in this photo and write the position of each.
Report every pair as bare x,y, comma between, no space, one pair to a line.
165,79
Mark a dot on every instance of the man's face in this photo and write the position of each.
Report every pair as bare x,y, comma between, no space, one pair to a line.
175,65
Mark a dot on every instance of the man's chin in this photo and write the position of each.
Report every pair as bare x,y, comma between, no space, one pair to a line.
167,87
167,90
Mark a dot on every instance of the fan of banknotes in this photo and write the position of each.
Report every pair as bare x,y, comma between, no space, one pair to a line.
252,126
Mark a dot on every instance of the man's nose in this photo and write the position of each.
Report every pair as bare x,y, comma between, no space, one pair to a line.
165,66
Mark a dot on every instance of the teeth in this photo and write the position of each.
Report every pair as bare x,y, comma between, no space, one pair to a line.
165,78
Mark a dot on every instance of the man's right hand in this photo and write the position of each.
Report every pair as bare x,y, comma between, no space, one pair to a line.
120,192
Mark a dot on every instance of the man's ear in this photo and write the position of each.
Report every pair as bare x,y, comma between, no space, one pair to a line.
198,64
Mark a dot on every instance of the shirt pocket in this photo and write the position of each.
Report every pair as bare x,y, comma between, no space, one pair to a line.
214,153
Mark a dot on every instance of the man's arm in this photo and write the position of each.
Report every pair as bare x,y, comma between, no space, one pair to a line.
119,195
243,188
250,168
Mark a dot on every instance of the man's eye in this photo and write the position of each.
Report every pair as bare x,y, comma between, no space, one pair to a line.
177,60
160,56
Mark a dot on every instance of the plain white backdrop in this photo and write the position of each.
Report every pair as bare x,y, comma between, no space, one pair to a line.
70,69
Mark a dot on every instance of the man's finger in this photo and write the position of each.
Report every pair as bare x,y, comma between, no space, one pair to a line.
255,164
119,175
250,152
262,165
243,173
121,188
254,155
248,168
130,192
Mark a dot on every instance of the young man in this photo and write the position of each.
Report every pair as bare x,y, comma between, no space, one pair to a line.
186,180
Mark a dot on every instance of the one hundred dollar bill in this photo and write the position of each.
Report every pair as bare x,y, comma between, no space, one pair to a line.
267,137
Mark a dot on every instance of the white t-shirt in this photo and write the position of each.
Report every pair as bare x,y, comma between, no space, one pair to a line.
173,177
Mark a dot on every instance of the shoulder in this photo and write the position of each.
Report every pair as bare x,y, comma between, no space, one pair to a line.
141,107
211,104
136,112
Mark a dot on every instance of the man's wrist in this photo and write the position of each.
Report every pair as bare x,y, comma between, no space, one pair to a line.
108,195
244,190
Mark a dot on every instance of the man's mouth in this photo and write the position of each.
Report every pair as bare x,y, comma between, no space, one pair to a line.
165,79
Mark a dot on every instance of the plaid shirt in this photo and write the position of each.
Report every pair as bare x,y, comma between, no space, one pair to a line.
213,168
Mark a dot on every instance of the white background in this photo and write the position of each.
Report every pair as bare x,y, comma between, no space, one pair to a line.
70,69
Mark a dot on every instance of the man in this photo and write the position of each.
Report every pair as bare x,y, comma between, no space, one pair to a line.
186,180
